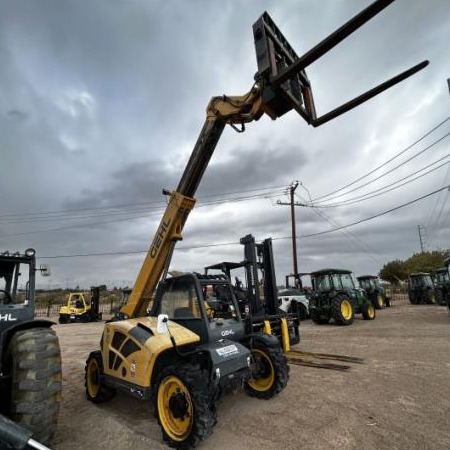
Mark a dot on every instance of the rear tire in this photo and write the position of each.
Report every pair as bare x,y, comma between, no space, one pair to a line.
318,319
342,310
440,300
96,390
185,405
270,371
36,381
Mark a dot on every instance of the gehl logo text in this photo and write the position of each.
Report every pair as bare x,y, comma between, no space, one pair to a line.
157,241
7,318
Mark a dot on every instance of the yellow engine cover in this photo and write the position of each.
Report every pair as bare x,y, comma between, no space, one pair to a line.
131,347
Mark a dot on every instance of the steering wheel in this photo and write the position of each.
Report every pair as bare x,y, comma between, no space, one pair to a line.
6,298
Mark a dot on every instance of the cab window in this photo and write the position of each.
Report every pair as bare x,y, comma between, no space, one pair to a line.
180,300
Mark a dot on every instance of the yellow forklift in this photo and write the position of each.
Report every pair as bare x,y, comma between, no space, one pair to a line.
79,309
186,350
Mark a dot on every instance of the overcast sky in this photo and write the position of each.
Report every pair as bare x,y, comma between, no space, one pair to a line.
102,102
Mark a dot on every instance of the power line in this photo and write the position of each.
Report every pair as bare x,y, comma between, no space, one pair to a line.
95,224
385,163
347,234
377,215
391,170
368,196
127,205
191,247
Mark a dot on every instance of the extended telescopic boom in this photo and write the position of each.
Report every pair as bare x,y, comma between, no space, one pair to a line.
281,85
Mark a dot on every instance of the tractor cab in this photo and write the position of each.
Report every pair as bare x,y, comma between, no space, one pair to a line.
204,304
442,286
376,293
17,280
336,296
421,289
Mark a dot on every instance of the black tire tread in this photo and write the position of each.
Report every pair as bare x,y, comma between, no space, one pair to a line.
204,397
336,310
105,393
36,381
281,368
316,318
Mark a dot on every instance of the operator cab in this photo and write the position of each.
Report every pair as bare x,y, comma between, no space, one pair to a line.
16,271
204,304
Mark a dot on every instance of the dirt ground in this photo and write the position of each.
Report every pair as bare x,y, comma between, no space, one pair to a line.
398,399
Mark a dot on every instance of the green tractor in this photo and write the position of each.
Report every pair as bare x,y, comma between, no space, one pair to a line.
421,289
442,286
374,290
447,265
335,296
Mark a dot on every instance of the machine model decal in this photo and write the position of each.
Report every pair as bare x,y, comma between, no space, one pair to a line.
227,351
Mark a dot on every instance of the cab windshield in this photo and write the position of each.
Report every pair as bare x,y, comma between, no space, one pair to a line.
14,282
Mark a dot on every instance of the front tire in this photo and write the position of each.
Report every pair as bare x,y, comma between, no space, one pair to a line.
368,311
96,390
36,381
342,310
270,371
63,318
185,405
378,301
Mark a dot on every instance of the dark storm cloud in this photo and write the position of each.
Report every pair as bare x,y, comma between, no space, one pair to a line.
103,101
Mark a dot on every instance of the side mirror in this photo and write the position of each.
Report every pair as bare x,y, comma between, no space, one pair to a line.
162,323
45,270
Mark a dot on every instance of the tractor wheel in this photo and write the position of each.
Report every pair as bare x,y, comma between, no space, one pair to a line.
440,300
317,318
342,310
96,390
36,381
185,405
413,299
368,311
378,303
270,371
431,298
388,302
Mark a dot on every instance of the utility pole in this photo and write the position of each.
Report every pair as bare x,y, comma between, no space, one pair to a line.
420,228
292,204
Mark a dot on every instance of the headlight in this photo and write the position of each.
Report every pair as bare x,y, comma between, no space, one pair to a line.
30,252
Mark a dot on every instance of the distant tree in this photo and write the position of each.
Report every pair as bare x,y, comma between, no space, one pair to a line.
394,272
397,270
425,261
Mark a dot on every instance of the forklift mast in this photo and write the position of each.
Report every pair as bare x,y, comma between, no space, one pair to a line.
281,84
260,257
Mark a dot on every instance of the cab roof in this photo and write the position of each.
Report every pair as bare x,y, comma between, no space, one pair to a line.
330,272
367,277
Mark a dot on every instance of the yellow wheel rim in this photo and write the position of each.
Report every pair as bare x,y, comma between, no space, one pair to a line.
371,312
175,408
380,301
265,377
93,378
346,309
432,298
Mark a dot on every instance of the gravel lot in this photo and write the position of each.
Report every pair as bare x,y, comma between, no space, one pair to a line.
398,399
